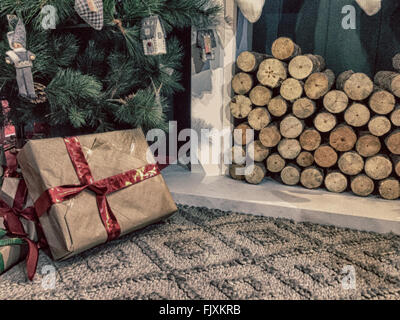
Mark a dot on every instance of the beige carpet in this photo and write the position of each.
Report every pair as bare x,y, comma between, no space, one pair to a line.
207,254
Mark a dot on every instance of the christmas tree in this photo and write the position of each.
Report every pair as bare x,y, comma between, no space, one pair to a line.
84,77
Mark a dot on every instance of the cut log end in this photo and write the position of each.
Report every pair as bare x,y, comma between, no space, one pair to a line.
389,189
270,136
250,61
278,106
362,185
275,163
290,175
357,115
257,151
305,159
336,101
310,140
291,127
289,148
357,86
382,102
343,138
389,81
319,84
378,167
237,171
312,178
260,96
379,126
336,182
351,163
259,118
395,117
255,174
368,145
304,108
242,83
243,134
272,73
325,122
393,142
325,156
284,49
240,107
291,89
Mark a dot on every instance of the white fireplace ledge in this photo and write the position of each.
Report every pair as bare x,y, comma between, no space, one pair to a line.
272,199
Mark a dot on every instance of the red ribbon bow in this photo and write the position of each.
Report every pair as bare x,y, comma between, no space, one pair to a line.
101,188
15,227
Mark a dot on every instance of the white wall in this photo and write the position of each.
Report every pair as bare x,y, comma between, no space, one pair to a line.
211,88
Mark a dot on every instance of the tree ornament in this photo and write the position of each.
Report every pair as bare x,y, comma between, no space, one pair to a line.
153,36
251,9
370,7
91,11
41,96
207,43
21,59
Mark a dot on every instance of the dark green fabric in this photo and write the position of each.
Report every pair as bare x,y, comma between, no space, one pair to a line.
317,27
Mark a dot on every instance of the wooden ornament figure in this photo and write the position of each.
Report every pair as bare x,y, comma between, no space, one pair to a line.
153,36
91,11
207,43
21,59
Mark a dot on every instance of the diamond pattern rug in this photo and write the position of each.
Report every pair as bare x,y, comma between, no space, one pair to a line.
208,254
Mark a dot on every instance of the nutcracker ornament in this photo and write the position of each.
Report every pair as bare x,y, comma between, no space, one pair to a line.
91,11
21,59
153,36
207,43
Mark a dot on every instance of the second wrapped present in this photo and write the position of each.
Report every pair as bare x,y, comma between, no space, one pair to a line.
94,188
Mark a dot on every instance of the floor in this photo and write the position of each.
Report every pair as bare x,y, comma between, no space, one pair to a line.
272,199
200,253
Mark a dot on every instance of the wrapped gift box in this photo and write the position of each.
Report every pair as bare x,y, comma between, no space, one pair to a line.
94,188
15,200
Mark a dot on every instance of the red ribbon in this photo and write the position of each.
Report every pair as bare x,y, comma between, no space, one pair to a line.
15,227
101,188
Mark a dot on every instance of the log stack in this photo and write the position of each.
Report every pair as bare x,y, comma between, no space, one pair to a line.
314,129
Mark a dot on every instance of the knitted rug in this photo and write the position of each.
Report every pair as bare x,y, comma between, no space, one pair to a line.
208,254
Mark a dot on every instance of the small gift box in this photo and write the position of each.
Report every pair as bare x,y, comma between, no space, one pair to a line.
91,189
12,250
18,226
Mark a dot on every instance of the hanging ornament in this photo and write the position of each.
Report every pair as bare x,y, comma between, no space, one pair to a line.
251,9
21,59
91,11
370,7
41,96
207,43
153,36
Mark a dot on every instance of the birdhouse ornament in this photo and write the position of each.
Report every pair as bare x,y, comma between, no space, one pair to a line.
153,36
91,11
207,43
21,59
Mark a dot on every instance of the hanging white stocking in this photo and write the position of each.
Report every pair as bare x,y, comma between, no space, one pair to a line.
370,7
251,9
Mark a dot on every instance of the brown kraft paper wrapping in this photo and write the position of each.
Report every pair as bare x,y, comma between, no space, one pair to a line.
7,194
12,255
75,225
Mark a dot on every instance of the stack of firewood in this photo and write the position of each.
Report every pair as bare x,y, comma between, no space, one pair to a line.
314,129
